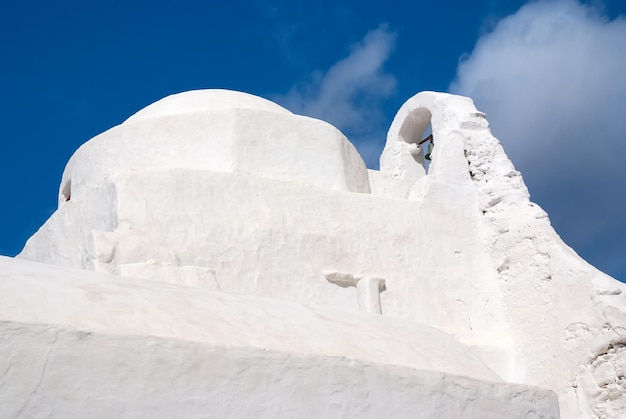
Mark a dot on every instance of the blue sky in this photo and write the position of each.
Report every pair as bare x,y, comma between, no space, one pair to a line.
551,76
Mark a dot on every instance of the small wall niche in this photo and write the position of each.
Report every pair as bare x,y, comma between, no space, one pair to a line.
66,191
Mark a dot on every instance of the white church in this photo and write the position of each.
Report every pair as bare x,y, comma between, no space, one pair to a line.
216,255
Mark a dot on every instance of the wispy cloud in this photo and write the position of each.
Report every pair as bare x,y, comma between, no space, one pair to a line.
350,93
552,79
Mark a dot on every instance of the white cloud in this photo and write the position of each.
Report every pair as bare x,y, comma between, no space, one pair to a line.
552,80
349,94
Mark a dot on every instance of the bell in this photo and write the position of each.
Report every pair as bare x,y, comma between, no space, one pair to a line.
430,150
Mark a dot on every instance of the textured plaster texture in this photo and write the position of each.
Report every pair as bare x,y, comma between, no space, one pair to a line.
221,226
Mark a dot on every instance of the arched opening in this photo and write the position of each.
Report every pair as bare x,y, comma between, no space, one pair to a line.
415,125
402,162
415,128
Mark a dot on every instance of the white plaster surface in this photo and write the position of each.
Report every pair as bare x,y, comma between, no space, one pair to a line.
225,193
77,342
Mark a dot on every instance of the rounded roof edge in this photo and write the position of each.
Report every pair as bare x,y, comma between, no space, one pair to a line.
205,100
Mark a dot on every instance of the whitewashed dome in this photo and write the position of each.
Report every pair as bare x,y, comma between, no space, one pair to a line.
219,130
205,101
